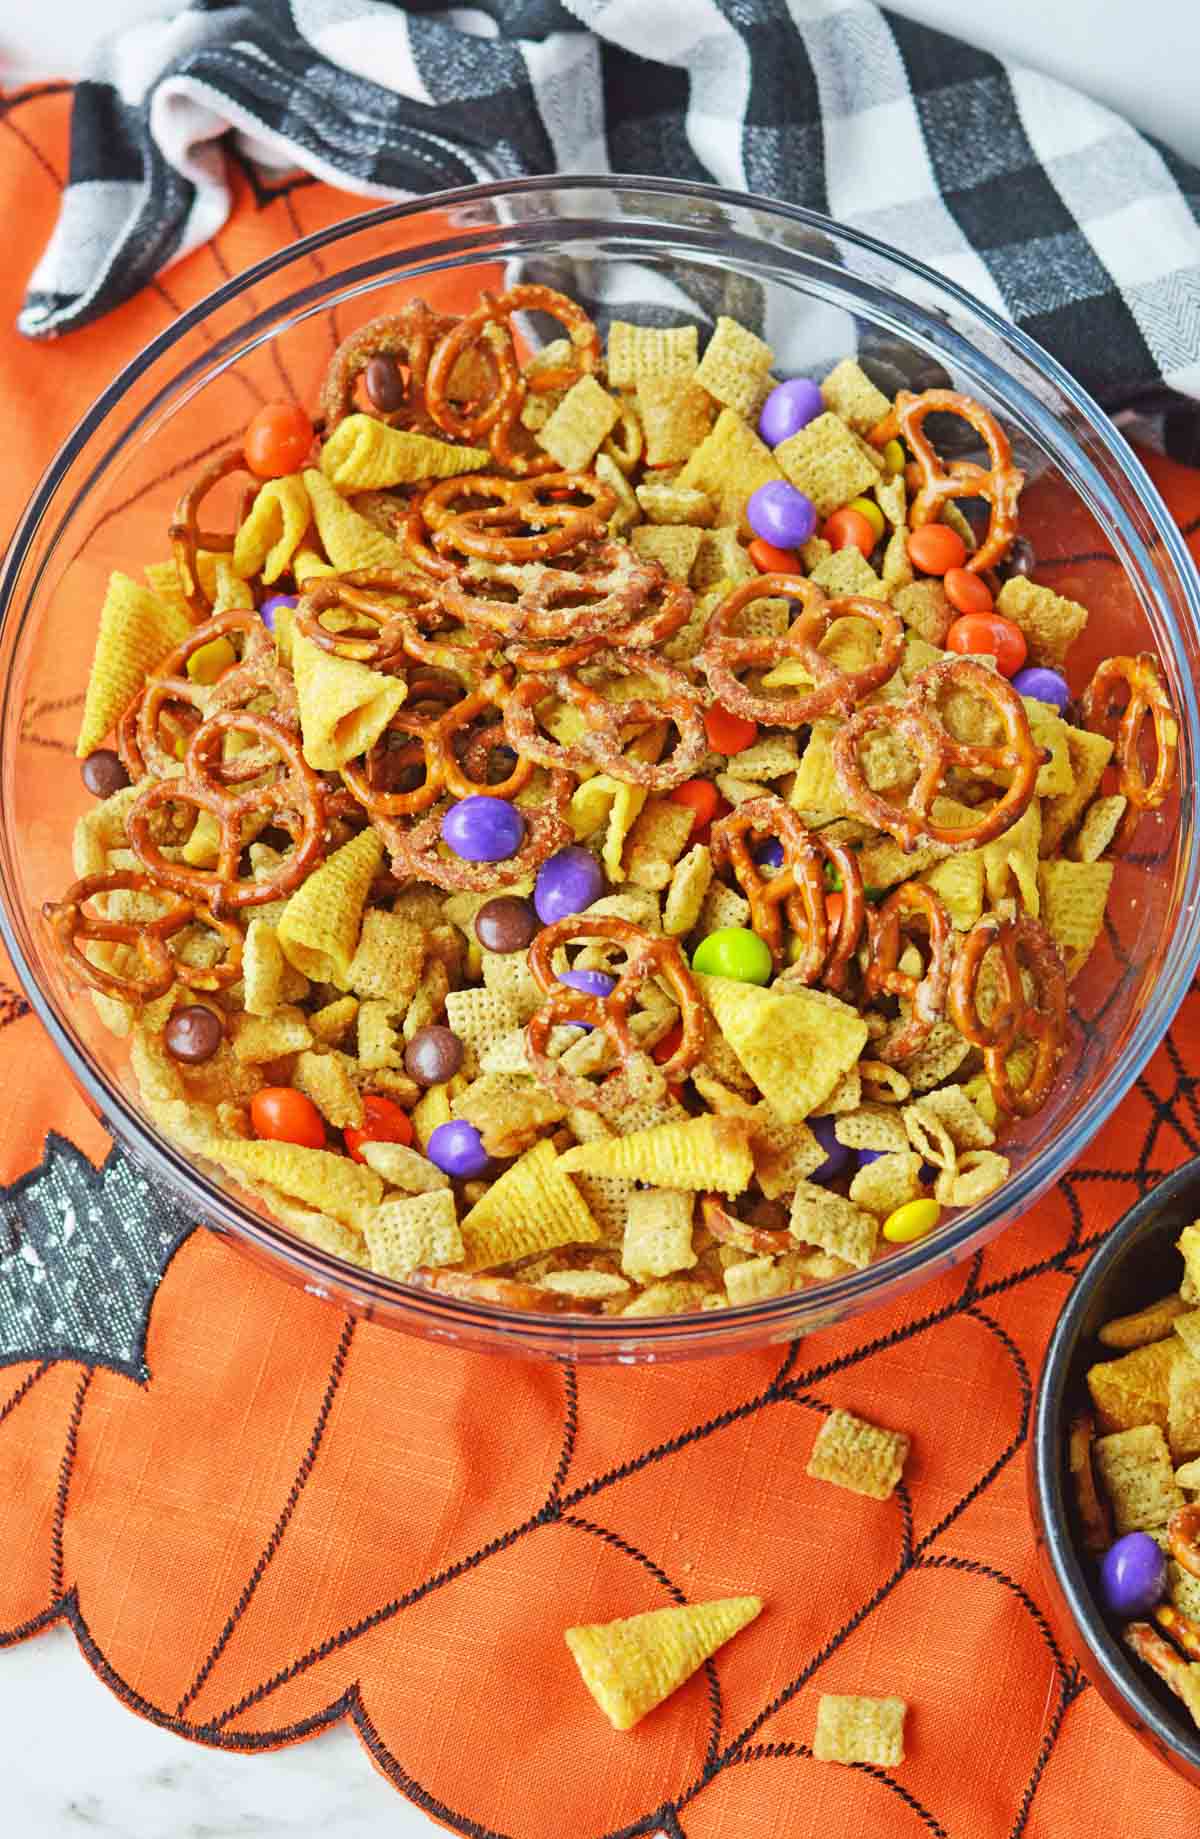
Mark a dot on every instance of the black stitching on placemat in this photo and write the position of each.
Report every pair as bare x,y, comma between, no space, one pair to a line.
62,1492
24,1389
218,256
1068,1692
570,1430
30,146
973,1567
307,1464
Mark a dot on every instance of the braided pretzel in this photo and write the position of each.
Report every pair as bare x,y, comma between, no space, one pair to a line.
462,526
187,538
487,329
409,336
834,691
294,800
388,634
605,722
435,735
502,1292
926,995
798,888
1147,697
1022,942
75,927
998,483
918,722
416,855
170,688
646,956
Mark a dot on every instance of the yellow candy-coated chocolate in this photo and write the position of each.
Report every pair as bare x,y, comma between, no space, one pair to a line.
867,507
894,458
207,664
912,1221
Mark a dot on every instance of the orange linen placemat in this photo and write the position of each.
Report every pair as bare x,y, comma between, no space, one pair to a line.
295,1518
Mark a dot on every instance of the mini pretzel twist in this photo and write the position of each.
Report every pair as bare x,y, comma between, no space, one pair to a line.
765,1241
797,888
391,631
409,337
435,736
488,330
647,956
1183,1537
295,800
912,902
1183,1629
75,927
1021,944
562,616
188,539
1147,697
918,722
416,855
835,691
1159,1656
607,722
169,690
998,483
490,530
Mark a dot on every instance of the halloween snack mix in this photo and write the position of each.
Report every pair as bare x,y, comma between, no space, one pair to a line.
1136,1479
596,829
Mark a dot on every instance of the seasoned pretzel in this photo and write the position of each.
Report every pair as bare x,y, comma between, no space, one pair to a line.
408,336
642,633
1183,1537
646,956
766,1241
391,631
1147,697
488,329
606,722
926,995
1183,1629
797,888
1160,1657
187,538
490,530
169,691
1021,944
294,800
416,856
75,927
918,722
502,1292
435,735
999,483
834,691
587,601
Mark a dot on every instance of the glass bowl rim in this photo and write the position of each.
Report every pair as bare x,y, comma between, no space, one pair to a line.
698,1331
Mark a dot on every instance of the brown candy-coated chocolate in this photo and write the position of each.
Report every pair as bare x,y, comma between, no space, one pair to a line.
193,1034
433,1055
103,774
506,924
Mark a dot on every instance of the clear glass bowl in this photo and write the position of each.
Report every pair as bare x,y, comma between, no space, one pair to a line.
107,499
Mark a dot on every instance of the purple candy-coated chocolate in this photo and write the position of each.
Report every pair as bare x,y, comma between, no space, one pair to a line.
770,853
270,608
1046,685
824,1130
789,407
869,1155
1133,1575
482,829
567,883
595,983
781,515
457,1149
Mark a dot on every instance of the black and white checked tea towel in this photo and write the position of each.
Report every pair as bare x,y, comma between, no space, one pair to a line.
1045,205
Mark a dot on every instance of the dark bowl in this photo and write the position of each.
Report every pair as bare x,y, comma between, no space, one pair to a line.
1136,1263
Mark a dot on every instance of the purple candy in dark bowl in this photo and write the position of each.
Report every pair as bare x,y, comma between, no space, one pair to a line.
1104,1579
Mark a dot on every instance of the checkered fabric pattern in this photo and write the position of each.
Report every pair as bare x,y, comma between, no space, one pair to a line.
1046,206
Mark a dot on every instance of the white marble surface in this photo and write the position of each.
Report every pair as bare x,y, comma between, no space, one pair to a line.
75,1764
73,1760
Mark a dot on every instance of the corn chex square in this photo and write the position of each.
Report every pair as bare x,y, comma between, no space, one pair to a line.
658,1233
829,462
729,464
1134,1390
586,414
850,393
860,1730
1135,1469
637,352
852,1453
420,1229
735,366
834,1224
